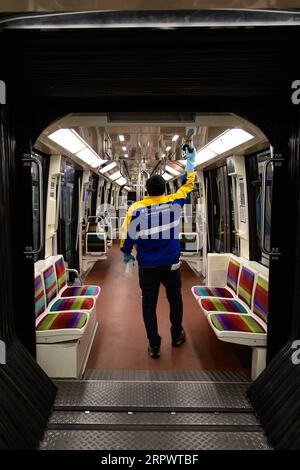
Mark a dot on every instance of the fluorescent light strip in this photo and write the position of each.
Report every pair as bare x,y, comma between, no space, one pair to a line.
73,143
172,170
115,176
108,167
121,181
175,138
168,148
124,149
122,138
229,140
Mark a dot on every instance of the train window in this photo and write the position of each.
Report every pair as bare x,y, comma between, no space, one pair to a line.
221,209
254,168
35,200
67,227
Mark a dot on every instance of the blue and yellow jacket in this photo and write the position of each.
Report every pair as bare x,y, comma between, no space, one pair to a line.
153,226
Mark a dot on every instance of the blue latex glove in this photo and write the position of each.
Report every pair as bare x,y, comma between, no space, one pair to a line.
128,257
190,156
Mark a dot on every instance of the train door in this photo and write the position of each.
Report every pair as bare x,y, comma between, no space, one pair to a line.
68,217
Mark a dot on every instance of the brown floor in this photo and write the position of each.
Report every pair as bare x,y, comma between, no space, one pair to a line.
121,341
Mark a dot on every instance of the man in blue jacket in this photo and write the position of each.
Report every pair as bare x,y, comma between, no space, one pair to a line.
153,226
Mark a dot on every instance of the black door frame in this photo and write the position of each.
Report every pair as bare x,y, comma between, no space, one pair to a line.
182,85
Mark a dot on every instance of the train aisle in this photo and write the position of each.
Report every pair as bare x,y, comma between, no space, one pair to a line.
121,342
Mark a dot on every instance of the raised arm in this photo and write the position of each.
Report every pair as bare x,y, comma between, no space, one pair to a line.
182,193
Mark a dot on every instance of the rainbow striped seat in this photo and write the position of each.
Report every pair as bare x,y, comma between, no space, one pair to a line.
78,303
81,291
71,291
223,305
237,323
205,291
62,321
226,292
55,327
251,329
261,299
239,304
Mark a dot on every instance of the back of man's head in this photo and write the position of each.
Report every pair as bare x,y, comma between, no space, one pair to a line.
156,185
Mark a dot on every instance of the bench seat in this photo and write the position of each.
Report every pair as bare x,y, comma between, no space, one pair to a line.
57,327
241,303
227,291
205,291
71,291
65,326
85,304
242,319
222,305
239,329
80,291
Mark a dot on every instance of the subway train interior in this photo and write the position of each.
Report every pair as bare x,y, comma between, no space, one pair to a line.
91,107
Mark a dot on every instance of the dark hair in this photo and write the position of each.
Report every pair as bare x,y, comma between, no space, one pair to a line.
156,185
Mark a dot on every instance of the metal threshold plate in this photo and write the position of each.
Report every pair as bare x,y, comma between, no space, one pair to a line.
153,440
125,419
167,375
147,396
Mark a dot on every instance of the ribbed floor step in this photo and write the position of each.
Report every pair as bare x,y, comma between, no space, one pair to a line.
151,396
153,420
158,440
167,375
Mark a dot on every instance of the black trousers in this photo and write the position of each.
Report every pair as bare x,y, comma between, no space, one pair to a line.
150,279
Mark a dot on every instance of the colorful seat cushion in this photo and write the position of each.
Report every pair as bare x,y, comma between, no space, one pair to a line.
245,286
60,273
39,296
233,274
223,305
261,299
204,291
75,291
62,321
240,323
50,283
80,303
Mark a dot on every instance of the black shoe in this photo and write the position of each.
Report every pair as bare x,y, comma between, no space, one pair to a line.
178,341
154,351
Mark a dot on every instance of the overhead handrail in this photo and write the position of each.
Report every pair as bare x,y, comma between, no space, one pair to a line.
28,250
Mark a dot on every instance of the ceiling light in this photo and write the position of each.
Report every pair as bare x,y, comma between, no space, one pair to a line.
73,143
86,155
121,181
228,140
108,167
166,176
203,155
122,138
68,139
168,148
175,138
126,155
163,155
115,176
172,170
124,148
